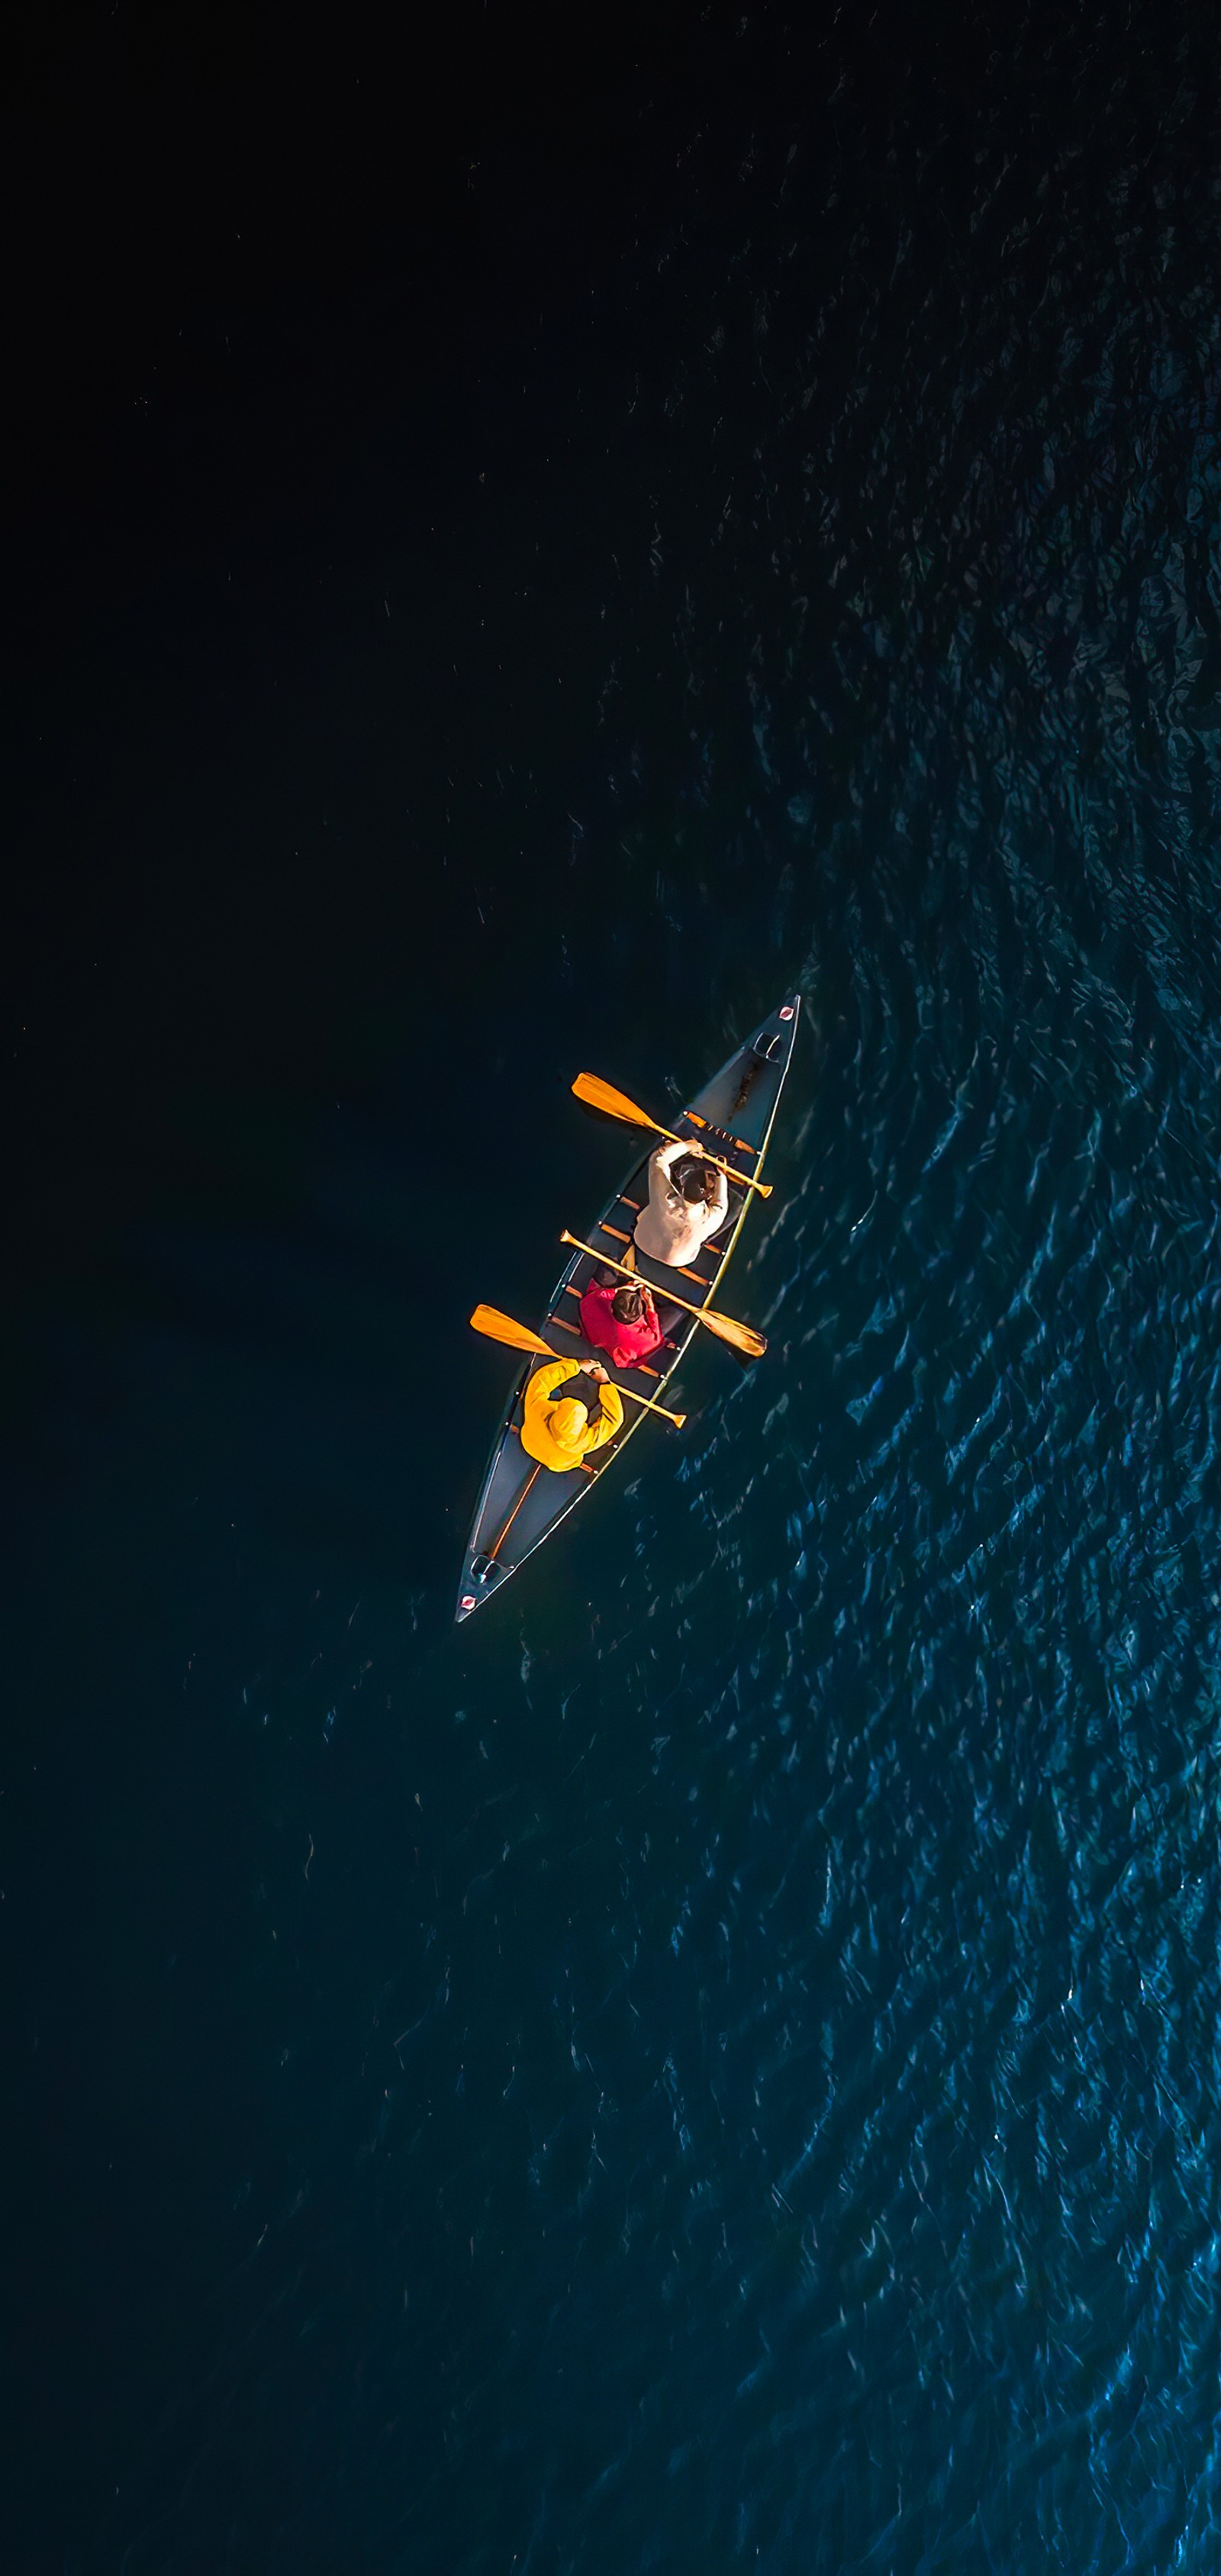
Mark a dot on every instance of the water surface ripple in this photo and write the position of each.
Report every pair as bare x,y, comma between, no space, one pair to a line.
863,2129
751,2093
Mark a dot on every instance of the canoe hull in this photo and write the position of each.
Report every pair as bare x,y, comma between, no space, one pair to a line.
521,1504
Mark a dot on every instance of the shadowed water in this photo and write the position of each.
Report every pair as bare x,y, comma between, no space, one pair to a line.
718,2065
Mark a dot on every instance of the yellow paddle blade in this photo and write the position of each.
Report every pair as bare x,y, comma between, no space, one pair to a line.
597,1094
501,1328
742,1336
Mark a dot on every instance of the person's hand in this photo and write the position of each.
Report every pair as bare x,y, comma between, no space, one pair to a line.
597,1373
649,1307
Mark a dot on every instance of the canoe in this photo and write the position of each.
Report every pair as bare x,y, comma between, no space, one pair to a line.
521,1504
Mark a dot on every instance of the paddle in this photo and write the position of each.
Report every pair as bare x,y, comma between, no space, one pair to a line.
741,1337
597,1094
501,1328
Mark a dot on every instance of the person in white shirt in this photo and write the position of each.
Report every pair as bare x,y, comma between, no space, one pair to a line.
688,1201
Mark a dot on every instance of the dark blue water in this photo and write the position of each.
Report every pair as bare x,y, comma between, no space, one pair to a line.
718,2064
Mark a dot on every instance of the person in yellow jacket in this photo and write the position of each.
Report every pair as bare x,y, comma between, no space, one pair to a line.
559,1435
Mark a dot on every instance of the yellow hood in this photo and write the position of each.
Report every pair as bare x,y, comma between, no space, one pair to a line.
568,1419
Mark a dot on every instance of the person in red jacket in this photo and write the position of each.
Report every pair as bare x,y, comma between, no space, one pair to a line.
621,1321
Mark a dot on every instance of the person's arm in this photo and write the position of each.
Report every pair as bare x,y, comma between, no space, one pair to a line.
655,1333
643,1336
545,1381
610,1419
660,1166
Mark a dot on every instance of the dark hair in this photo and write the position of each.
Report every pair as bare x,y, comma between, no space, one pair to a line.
696,1179
627,1305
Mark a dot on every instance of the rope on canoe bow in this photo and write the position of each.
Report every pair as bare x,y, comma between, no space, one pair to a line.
709,1130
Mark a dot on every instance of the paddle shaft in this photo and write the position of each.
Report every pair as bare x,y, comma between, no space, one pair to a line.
648,1401
603,1095
521,1340
724,1326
